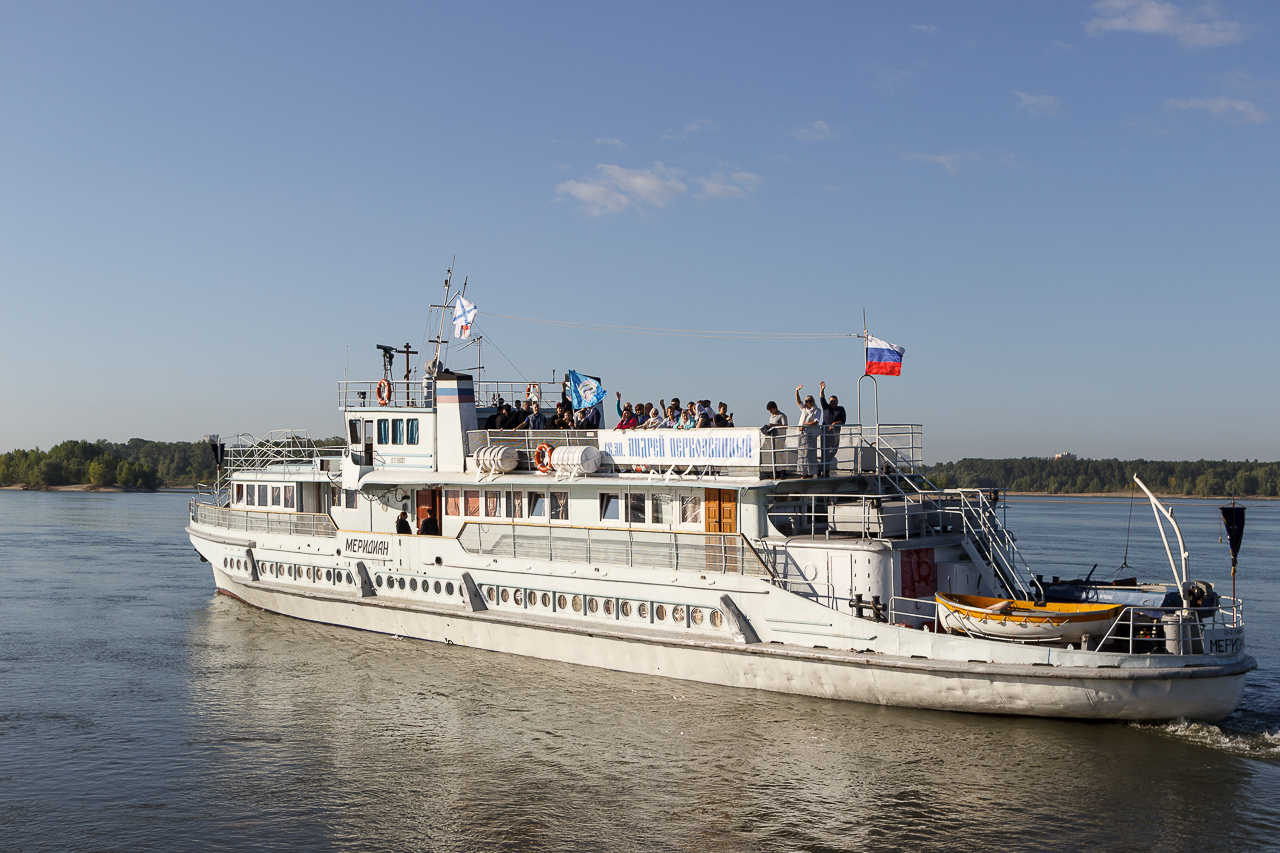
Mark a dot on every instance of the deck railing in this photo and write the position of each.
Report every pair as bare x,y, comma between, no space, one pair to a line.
726,553
296,523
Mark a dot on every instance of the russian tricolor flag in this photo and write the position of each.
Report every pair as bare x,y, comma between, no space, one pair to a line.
883,358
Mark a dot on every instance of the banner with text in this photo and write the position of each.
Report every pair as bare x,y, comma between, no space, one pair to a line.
739,448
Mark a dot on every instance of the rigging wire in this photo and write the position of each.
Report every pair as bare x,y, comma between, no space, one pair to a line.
1124,564
678,333
489,338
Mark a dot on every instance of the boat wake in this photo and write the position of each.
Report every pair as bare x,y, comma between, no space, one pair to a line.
1247,742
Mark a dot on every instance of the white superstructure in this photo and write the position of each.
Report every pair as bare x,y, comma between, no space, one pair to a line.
692,554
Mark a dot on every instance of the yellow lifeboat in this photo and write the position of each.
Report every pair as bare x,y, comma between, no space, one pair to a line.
1025,621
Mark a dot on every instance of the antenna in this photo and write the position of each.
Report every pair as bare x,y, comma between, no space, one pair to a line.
434,367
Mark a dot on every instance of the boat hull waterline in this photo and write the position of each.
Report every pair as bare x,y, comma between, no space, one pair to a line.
1206,693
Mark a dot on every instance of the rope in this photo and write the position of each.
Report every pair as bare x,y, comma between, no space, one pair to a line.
690,333
1124,564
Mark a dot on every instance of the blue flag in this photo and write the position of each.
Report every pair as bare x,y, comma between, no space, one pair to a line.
584,392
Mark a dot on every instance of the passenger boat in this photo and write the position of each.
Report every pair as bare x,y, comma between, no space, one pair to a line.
697,555
1025,621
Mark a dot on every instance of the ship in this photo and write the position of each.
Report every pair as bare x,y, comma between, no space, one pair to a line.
806,560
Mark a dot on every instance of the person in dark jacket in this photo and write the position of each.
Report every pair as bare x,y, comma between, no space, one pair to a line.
429,526
402,524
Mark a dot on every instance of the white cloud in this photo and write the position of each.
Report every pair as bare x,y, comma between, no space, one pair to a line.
1232,109
613,141
952,162
614,189
692,128
814,131
925,28
719,185
1202,29
1243,81
1038,105
891,79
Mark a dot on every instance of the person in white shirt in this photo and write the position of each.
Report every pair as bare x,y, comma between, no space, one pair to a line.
810,416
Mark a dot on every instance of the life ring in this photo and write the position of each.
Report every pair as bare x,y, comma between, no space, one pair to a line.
532,392
383,392
542,458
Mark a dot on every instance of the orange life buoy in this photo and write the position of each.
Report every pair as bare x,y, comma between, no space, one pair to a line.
532,392
542,458
383,392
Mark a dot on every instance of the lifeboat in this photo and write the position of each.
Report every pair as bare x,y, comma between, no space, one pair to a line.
1024,621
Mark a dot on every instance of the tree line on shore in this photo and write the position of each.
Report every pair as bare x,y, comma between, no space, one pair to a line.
137,464
1206,478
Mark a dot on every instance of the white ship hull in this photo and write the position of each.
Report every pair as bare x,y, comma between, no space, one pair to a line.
1204,693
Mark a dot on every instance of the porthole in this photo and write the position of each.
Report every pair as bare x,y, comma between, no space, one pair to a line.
290,571
593,605
660,612
677,614
577,604
349,578
328,574
626,608
562,603
309,573
643,610
448,589
608,606
439,561
716,619
237,565
377,579
519,596
413,585
546,600
224,562
491,594
506,593
696,615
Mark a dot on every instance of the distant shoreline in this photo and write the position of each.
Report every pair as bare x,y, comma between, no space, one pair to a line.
89,487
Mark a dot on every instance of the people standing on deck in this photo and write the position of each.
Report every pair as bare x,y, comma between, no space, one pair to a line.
775,437
833,416
777,419
535,420
809,425
428,526
402,524
723,417
626,415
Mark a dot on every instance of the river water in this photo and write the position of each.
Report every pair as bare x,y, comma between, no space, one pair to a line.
140,711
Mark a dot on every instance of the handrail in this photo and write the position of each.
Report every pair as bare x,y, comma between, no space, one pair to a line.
295,523
674,550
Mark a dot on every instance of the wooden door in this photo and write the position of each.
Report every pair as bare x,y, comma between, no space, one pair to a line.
721,514
425,499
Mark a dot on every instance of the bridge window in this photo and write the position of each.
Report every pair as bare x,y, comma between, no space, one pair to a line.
239,493
288,497
537,505
351,498
493,504
353,427
609,507
660,509
384,430
471,503
635,508
515,504
452,505
690,509
248,496
559,506
397,431
262,495
413,430
275,496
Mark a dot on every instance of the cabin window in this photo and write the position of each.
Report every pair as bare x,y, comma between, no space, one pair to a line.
515,504
537,505
493,504
353,427
660,509
609,507
275,496
239,493
351,498
452,505
262,495
471,503
384,431
635,508
248,496
397,431
288,497
413,430
691,509
559,506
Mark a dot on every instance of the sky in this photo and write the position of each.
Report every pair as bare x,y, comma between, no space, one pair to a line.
1066,212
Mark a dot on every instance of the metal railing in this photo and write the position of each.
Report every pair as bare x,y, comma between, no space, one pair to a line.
726,553
296,523
488,394
1173,630
363,394
277,448
526,441
820,451
994,542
